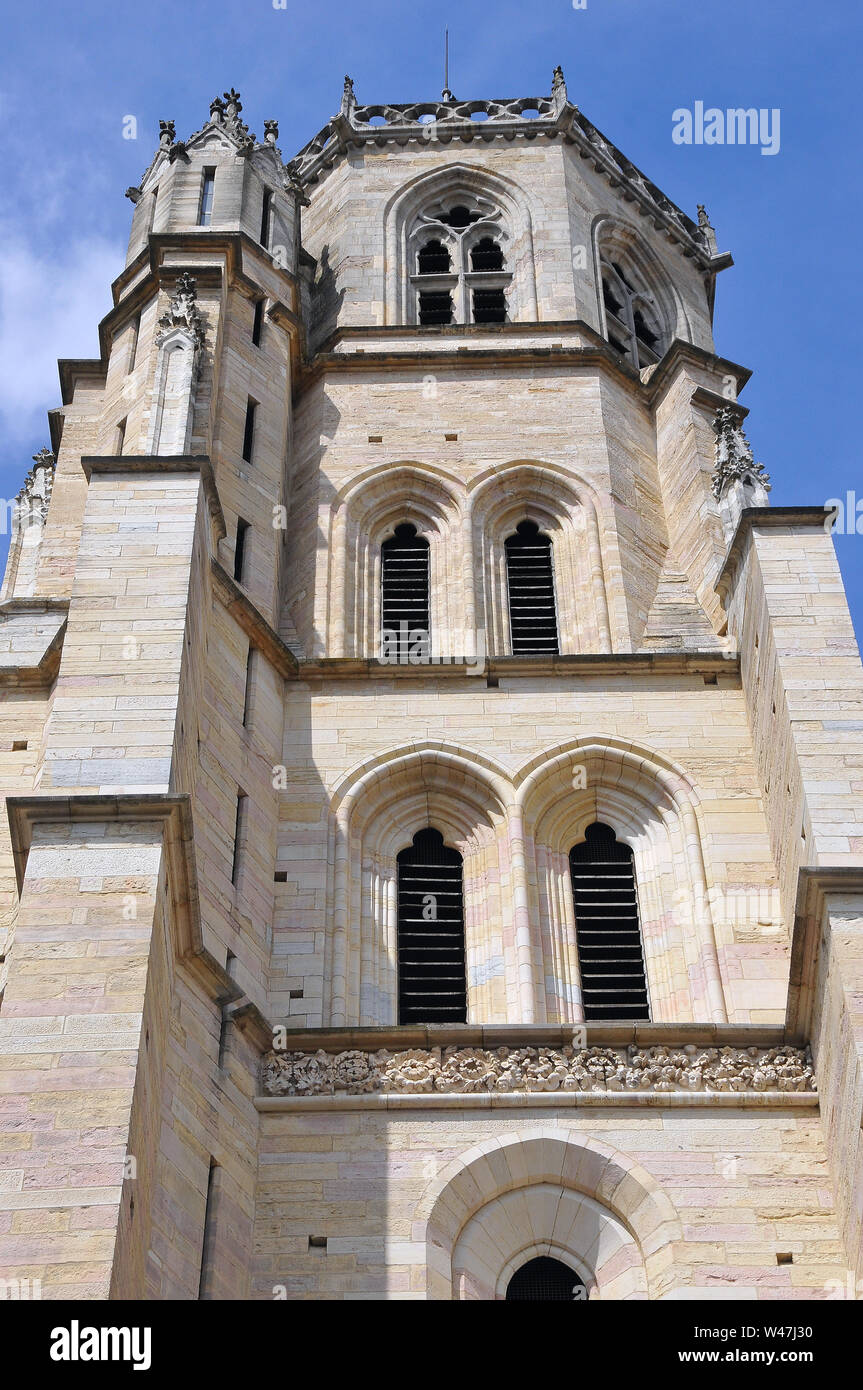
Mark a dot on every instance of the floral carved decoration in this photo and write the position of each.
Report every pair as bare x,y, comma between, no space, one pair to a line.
472,1070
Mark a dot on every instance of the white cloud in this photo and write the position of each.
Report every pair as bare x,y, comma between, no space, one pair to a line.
50,307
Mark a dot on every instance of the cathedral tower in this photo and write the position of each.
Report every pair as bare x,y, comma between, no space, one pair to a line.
434,862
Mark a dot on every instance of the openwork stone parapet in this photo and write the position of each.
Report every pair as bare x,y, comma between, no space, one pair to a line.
472,1070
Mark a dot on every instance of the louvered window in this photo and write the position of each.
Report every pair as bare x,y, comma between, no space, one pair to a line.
432,987
530,581
613,980
544,1280
405,585
631,321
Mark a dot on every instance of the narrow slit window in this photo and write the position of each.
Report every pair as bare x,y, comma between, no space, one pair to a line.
247,696
405,593
258,322
249,430
240,549
607,927
205,207
207,1271
530,584
431,950
239,834
133,343
266,217
120,438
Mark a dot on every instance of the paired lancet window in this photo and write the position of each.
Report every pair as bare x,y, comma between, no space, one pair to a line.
632,321
608,933
431,937
431,954
460,273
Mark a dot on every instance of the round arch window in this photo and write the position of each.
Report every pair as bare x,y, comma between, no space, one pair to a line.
544,1280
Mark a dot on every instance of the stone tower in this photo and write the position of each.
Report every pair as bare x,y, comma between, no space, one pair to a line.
434,825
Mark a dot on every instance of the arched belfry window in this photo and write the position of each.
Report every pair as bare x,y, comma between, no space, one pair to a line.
530,585
632,318
461,272
405,595
431,954
608,932
545,1280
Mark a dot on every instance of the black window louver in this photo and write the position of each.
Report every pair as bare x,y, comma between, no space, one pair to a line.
489,306
405,586
610,953
433,259
530,582
431,958
544,1280
435,307
486,255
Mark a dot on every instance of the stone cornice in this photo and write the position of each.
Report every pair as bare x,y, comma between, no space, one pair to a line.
44,673
813,888
253,623
541,1100
593,664
598,353
403,1036
764,517
164,463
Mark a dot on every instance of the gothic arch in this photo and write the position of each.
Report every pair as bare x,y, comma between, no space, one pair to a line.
362,515
508,1197
610,236
374,814
459,180
566,509
652,804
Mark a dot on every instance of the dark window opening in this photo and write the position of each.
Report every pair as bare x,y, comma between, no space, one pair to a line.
405,591
608,934
459,216
489,306
258,323
239,834
205,207
486,255
266,217
240,549
249,430
133,347
612,303
545,1280
435,307
431,955
530,583
433,259
120,440
642,332
247,697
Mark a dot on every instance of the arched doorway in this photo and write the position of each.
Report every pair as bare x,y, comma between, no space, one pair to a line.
544,1280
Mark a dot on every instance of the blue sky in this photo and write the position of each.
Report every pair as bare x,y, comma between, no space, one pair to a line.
790,309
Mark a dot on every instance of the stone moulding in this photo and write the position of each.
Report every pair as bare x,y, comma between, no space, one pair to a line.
659,1070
